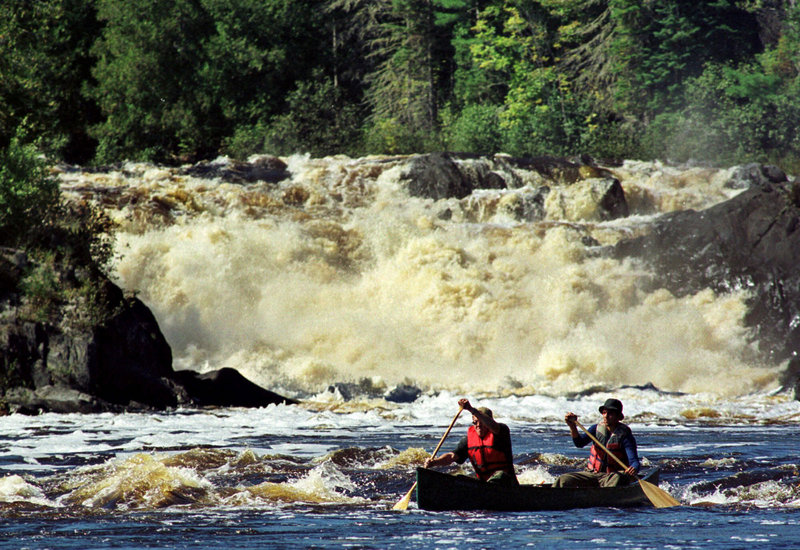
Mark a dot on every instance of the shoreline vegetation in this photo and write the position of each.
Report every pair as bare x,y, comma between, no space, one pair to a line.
104,81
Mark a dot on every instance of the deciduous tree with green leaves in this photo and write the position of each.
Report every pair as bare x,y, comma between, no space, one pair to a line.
28,193
45,62
174,79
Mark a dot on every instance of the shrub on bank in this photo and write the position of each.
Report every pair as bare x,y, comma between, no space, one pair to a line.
28,194
67,246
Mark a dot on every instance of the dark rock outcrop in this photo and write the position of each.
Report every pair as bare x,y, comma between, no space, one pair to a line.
436,176
527,205
404,393
456,175
612,199
226,387
557,169
366,388
121,361
751,241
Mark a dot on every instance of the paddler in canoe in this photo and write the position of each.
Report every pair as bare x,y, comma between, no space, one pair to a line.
487,445
602,470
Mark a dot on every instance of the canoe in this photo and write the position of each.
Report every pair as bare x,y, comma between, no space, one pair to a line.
439,491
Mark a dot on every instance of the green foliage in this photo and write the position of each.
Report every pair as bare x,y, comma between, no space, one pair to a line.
541,114
402,87
476,129
28,194
56,278
69,245
411,48
318,121
732,116
660,44
176,78
390,136
42,289
147,78
607,137
187,79
44,63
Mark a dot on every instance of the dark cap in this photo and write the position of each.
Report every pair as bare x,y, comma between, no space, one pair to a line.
486,410
613,405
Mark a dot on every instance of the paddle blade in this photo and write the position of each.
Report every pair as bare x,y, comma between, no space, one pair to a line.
402,504
659,497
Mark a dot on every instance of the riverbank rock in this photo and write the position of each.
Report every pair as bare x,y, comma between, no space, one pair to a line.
97,351
751,241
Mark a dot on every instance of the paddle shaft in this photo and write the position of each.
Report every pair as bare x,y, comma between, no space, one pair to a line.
450,427
403,502
659,497
608,453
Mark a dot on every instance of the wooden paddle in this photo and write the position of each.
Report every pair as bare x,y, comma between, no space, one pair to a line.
659,497
402,504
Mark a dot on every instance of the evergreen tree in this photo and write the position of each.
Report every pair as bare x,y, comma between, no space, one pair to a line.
541,113
410,53
743,113
659,44
402,87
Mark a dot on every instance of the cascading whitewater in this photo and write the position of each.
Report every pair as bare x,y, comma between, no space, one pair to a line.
337,274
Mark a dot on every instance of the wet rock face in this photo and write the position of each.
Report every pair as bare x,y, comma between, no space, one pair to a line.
442,175
120,361
751,241
436,176
226,387
264,168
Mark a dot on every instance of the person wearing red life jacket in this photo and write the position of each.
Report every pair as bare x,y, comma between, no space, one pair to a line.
487,445
604,471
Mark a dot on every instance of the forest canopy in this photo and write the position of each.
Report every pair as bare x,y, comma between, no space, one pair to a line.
101,81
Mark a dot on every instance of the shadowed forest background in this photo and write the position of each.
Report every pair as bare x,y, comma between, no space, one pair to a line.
101,81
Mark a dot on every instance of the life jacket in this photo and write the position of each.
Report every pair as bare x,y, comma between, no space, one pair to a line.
598,461
486,458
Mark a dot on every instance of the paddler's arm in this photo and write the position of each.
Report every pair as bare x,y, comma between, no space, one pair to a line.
458,455
629,444
484,419
441,460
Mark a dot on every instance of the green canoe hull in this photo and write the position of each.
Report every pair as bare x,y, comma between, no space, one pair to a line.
438,491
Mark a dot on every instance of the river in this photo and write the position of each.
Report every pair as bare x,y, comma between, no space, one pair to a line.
334,287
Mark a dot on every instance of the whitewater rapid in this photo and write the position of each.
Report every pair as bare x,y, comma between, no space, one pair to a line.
336,274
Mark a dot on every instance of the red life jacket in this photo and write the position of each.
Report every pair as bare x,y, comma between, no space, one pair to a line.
486,458
598,461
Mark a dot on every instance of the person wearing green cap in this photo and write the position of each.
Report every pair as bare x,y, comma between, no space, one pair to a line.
603,471
487,445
